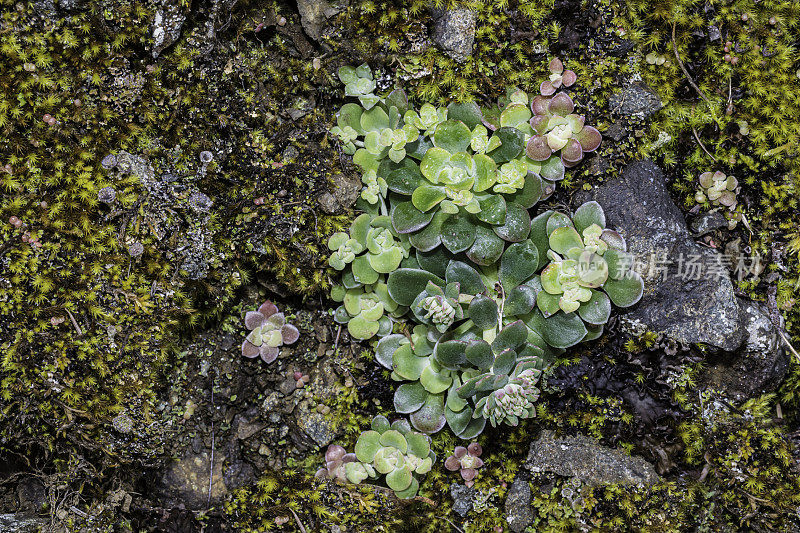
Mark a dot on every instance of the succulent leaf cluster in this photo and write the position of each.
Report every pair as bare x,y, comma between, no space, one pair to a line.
720,190
268,332
460,176
365,255
391,450
589,270
466,461
469,298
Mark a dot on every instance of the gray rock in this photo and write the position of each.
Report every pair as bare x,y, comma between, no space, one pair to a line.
581,457
636,100
454,32
186,481
21,523
759,367
519,514
346,190
616,132
688,293
708,222
313,15
167,25
322,429
462,498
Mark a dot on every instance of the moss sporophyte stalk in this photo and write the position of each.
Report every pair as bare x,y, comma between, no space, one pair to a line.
467,293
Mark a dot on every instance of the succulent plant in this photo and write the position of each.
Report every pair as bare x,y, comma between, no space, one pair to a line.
589,270
358,82
558,78
718,189
466,461
557,130
336,457
364,309
392,450
268,332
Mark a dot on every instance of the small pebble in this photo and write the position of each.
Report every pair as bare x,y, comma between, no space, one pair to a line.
136,249
281,21
109,161
107,195
206,157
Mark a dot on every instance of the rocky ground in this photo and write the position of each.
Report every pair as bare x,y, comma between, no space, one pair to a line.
170,168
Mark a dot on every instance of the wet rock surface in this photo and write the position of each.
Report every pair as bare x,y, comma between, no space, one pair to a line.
454,32
519,514
462,498
581,457
21,523
759,367
688,293
636,100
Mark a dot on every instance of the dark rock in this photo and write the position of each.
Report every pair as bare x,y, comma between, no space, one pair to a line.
593,464
346,190
759,367
167,25
454,32
462,498
688,293
187,481
708,222
313,16
714,33
622,49
636,100
21,523
321,429
616,132
519,514
31,495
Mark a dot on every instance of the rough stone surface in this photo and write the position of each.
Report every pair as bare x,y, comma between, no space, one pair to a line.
322,429
346,190
519,514
708,222
636,100
21,523
186,481
454,32
462,498
757,368
313,14
581,457
688,293
167,26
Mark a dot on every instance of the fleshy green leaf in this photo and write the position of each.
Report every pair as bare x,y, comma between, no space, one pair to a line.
430,418
450,354
493,209
518,264
519,301
467,277
425,197
588,214
467,112
487,247
384,351
625,292
565,238
452,135
510,337
480,354
517,225
406,283
483,312
407,219
512,141
458,233
435,261
561,330
597,310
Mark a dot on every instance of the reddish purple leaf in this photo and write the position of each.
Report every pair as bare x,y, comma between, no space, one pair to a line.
475,449
249,349
547,88
589,138
572,152
452,463
568,78
556,66
468,474
268,309
538,149
539,124
561,104
540,105
253,319
269,353
289,334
